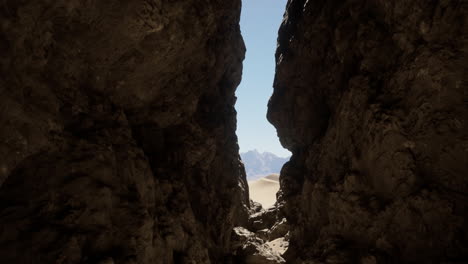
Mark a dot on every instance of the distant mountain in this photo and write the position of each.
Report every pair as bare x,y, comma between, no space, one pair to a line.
258,164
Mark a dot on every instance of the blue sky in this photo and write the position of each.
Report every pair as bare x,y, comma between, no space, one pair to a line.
260,21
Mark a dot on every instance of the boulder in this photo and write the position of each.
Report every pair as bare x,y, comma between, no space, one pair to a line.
253,250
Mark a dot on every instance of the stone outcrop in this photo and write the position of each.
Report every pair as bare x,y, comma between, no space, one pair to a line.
251,249
265,237
371,98
264,219
117,131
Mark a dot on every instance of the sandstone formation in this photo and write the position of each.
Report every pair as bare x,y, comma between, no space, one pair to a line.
117,124
371,98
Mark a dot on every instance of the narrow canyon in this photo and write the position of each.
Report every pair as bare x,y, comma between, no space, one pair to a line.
118,144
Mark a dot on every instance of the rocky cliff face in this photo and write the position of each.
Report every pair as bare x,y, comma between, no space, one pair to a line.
371,98
117,139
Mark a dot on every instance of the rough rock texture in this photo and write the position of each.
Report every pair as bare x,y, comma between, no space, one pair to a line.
371,98
117,126
250,249
266,234
279,229
264,219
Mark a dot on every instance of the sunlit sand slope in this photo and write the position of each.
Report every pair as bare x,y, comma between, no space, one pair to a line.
264,190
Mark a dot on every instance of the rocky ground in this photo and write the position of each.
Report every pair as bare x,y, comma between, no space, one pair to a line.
264,239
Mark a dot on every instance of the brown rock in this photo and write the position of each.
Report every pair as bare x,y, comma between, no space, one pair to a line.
370,96
279,229
251,249
263,219
117,126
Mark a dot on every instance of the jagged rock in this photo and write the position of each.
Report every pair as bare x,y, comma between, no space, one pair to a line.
279,245
117,138
117,131
255,207
264,219
279,229
252,249
263,234
370,96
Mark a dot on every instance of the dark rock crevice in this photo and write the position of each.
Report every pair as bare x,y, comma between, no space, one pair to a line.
118,145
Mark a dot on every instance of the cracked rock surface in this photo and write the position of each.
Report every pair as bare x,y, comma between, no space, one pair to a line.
117,131
371,98
251,249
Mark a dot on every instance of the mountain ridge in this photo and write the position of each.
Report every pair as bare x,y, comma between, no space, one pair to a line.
258,165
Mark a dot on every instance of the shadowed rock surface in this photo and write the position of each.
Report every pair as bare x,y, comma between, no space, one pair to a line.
371,98
117,126
117,140
250,249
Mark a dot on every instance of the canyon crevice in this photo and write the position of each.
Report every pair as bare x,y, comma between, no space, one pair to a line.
371,98
118,145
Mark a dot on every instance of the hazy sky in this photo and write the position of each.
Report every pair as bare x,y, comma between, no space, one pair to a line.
260,21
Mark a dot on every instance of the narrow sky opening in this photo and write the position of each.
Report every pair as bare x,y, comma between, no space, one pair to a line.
260,21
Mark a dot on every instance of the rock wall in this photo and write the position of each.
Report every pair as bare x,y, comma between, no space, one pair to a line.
371,97
117,126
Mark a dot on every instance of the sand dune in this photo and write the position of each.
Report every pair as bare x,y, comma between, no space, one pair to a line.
264,190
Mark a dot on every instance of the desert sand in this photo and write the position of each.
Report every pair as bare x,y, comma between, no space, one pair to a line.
264,190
